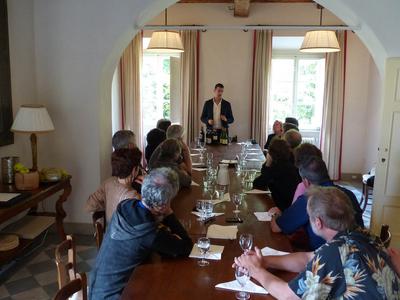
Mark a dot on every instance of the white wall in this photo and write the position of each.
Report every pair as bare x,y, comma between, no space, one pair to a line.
76,48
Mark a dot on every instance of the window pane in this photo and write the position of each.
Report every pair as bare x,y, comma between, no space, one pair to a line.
281,92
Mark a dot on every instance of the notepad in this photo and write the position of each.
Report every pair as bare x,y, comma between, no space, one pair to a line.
5,197
222,232
215,252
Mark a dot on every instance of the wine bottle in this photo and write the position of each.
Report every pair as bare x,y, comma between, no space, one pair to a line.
224,137
214,137
202,135
208,137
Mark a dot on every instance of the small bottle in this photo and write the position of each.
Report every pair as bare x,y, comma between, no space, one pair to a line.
208,137
215,137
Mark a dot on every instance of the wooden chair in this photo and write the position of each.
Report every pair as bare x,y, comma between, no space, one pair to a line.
385,236
75,286
65,255
99,224
367,190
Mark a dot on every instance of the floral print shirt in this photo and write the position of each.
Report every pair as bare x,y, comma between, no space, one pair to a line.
354,265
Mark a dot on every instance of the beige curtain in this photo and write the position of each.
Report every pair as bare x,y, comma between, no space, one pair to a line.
331,133
130,70
260,89
189,77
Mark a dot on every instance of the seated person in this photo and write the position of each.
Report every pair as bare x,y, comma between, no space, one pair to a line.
279,174
154,138
125,164
293,137
176,132
290,123
301,154
135,232
169,155
123,139
277,132
314,173
351,265
163,124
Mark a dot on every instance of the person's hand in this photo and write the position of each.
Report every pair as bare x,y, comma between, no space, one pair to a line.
223,118
211,122
268,161
395,258
275,211
252,261
139,179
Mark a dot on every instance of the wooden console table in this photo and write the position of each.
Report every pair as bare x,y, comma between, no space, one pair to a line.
31,202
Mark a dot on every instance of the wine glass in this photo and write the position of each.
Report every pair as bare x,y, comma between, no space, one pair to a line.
237,200
246,242
242,277
212,191
203,244
221,192
208,208
200,207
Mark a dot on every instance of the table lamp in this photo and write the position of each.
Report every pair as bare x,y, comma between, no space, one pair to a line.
32,119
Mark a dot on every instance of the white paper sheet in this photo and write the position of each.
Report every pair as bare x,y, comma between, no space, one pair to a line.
4,197
256,191
263,216
267,251
196,213
215,252
250,287
194,183
199,169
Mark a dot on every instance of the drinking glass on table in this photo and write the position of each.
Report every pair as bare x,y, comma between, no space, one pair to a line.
208,209
221,192
237,200
212,191
242,277
203,244
246,242
201,208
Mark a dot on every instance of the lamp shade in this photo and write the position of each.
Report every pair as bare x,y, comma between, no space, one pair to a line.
32,119
165,41
320,41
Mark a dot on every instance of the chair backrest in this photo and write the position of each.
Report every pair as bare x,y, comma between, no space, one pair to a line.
99,224
65,256
386,235
75,286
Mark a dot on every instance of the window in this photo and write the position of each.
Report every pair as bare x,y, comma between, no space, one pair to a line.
159,87
297,88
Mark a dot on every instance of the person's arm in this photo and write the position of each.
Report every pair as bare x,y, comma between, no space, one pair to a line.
275,286
185,180
395,259
187,160
293,262
97,200
204,115
261,182
173,240
229,116
293,218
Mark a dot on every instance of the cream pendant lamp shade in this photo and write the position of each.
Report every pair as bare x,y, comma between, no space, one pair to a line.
165,41
320,41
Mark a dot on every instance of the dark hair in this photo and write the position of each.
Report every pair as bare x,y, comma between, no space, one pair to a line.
314,170
219,85
163,124
293,137
123,161
304,151
169,149
279,150
122,138
155,137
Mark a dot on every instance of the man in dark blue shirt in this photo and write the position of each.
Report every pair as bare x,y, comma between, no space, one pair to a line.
313,172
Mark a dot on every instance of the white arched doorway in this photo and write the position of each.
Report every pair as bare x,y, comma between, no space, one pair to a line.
368,31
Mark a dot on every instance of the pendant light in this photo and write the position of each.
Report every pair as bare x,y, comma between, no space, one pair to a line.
320,41
165,40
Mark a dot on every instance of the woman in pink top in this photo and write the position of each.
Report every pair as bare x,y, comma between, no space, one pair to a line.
125,169
301,154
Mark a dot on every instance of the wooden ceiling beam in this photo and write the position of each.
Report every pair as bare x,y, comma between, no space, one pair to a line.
241,8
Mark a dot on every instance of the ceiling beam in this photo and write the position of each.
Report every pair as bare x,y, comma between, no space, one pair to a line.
252,1
241,8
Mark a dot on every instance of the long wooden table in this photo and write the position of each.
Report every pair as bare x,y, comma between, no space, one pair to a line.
161,278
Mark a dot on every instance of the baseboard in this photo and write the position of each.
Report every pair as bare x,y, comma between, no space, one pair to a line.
350,176
76,228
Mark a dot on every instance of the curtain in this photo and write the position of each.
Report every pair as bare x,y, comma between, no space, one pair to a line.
130,69
260,87
331,132
189,84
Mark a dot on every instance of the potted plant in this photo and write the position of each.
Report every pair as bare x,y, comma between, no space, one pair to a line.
24,178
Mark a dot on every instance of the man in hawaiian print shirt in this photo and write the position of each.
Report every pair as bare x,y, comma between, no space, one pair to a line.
353,264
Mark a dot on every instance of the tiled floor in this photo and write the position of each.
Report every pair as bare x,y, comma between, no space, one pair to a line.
36,278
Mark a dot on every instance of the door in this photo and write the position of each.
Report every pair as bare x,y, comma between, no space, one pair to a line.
386,207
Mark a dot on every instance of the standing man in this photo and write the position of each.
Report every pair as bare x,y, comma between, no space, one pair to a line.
217,112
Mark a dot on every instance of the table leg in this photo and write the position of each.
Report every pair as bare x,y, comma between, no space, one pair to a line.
60,212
